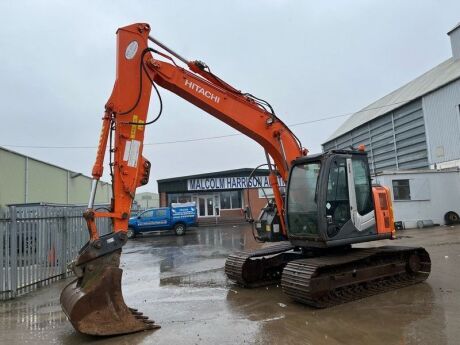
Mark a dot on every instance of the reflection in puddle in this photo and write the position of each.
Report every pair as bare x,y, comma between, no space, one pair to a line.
208,279
196,259
404,316
34,317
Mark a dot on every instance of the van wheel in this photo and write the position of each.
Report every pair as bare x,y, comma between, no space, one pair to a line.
451,218
179,229
130,233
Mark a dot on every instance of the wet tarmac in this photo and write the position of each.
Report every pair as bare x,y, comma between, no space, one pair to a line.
180,283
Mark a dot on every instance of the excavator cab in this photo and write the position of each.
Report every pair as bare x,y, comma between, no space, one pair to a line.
330,201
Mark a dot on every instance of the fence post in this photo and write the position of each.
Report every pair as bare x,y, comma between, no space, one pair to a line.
13,251
63,257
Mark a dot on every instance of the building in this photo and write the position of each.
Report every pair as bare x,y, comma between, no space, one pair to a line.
26,180
146,200
414,127
423,197
221,197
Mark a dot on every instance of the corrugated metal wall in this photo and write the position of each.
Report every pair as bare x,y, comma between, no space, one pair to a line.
394,141
27,180
455,43
442,116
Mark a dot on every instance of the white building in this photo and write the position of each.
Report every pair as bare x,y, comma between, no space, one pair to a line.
414,127
146,200
423,197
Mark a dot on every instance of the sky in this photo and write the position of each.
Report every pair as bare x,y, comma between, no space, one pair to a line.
310,60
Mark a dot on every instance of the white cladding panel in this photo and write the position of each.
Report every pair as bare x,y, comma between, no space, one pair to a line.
433,194
442,122
437,77
455,43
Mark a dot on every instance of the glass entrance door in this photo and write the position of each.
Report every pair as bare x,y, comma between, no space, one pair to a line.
206,206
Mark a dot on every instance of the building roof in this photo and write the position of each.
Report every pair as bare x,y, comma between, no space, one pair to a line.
454,28
239,172
49,164
441,75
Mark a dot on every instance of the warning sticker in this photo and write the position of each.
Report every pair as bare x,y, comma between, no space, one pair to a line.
127,148
134,153
131,154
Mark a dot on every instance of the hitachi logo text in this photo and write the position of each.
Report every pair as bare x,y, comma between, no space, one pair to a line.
199,89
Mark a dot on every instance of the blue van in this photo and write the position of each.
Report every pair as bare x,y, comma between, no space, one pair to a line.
178,217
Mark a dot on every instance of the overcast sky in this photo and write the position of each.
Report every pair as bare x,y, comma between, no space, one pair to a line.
309,59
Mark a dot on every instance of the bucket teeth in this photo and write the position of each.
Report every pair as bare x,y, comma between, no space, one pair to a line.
94,302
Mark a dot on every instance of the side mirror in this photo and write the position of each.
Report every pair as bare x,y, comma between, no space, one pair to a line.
138,217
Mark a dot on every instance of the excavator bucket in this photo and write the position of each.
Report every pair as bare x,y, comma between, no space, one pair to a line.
94,302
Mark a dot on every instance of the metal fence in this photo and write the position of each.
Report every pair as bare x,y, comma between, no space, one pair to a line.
37,243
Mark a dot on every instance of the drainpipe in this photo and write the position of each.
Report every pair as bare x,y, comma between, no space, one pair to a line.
26,181
68,177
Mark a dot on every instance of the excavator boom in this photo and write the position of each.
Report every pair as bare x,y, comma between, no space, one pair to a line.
94,301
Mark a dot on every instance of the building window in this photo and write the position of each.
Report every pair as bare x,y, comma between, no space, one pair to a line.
229,200
401,189
179,198
265,193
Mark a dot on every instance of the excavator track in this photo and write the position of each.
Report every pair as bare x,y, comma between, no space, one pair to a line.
260,267
326,281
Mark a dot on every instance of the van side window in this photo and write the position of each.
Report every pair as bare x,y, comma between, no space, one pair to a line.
147,214
160,213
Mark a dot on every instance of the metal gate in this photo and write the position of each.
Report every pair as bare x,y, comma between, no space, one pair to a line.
37,243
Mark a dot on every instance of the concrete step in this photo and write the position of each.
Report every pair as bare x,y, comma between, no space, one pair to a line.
220,221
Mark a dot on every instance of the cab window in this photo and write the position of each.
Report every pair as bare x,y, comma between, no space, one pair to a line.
302,209
362,186
337,199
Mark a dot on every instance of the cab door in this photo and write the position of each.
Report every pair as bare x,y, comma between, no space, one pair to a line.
337,196
349,202
360,192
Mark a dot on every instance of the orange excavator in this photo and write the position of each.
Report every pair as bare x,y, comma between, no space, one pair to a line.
329,203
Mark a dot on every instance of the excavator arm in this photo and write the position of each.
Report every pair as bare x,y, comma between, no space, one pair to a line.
126,114
94,302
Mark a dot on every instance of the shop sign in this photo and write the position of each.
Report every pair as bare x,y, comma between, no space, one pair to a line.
216,183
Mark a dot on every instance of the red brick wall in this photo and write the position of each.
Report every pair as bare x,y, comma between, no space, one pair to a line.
236,213
163,199
256,202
